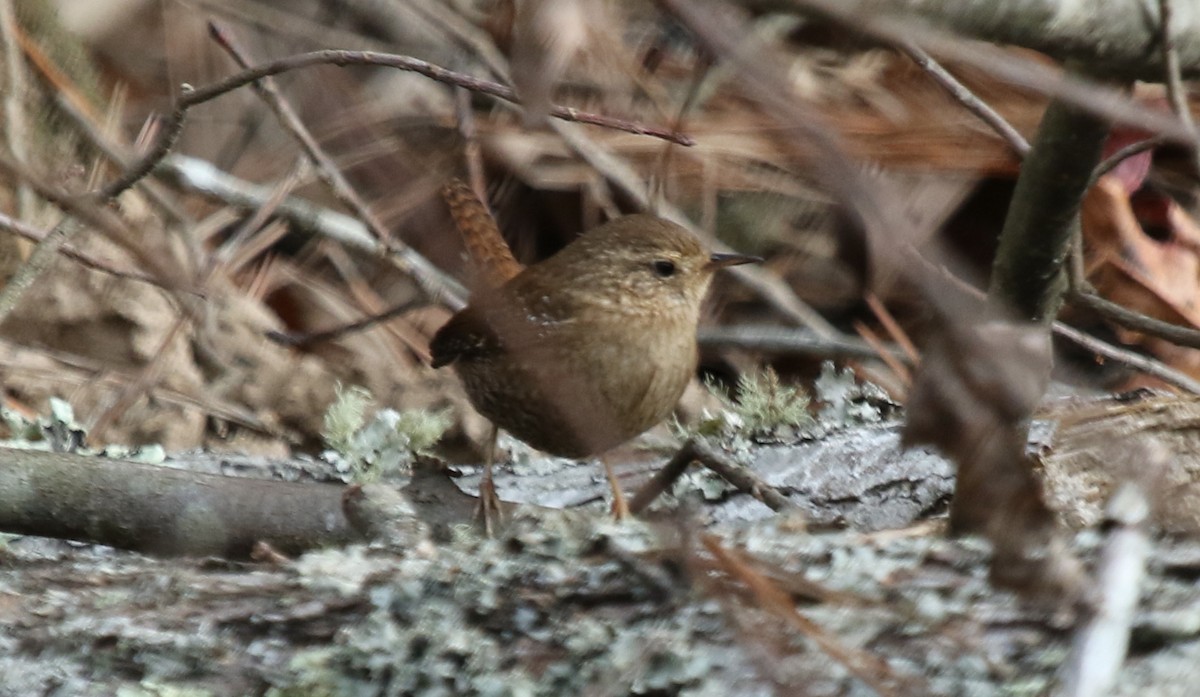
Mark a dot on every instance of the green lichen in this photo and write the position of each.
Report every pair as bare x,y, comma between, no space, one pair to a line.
504,618
768,407
383,445
764,409
346,416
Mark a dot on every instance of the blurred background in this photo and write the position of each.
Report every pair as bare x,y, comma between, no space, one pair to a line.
230,238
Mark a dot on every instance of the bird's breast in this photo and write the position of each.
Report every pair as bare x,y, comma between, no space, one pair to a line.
579,388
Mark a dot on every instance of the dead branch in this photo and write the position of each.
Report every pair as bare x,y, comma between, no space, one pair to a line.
1119,38
19,228
190,96
1130,319
163,511
872,18
967,98
796,342
1103,639
1027,273
696,450
1176,92
1110,163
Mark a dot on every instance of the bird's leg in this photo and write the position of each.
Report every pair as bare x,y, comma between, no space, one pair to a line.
489,508
620,508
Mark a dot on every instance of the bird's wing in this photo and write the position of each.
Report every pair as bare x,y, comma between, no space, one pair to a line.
466,335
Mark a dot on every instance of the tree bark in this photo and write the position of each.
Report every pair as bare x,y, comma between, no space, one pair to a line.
163,511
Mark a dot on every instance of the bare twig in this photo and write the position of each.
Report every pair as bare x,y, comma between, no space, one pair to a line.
696,450
1102,640
1105,102
190,96
893,327
1176,92
431,280
1110,163
327,170
34,235
42,257
788,341
120,155
428,276
1174,333
16,133
899,370
202,177
472,154
1134,360
870,669
664,478
309,338
967,98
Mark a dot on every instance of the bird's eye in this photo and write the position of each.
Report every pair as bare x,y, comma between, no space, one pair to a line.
664,268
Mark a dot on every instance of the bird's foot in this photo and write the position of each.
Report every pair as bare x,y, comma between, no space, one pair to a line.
490,509
620,507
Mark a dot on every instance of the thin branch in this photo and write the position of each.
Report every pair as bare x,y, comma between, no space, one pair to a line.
42,257
1110,163
1174,333
1134,360
119,154
696,450
787,341
327,170
873,18
432,281
202,177
190,96
34,235
16,132
1176,92
317,337
967,98
1101,642
873,671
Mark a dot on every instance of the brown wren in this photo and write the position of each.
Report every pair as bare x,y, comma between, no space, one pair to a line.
585,350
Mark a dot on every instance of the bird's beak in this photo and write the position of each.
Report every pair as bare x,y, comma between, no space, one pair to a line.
720,261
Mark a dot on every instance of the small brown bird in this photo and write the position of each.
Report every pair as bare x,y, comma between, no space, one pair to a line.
583,351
